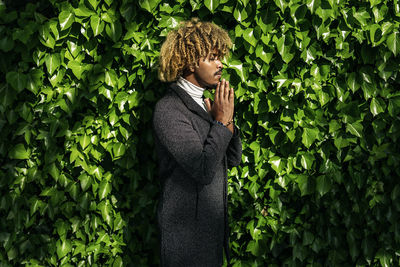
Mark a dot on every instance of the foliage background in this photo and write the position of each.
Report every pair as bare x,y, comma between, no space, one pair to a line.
317,101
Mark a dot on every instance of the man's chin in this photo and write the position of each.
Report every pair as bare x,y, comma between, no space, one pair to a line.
212,86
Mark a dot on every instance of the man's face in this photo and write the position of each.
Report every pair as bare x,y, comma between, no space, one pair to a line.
208,74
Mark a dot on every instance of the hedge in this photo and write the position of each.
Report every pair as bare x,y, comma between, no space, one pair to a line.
317,102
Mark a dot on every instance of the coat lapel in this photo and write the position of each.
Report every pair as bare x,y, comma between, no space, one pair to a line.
190,103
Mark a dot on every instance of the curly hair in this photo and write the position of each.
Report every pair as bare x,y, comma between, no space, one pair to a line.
186,45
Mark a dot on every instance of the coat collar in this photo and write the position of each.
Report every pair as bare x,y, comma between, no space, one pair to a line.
190,103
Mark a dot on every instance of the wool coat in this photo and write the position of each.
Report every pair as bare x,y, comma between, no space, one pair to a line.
194,153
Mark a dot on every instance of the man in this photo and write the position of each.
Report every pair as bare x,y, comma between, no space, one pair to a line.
196,142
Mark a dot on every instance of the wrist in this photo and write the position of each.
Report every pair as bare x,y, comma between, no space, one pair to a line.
224,123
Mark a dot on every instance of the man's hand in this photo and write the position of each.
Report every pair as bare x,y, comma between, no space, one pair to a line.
222,108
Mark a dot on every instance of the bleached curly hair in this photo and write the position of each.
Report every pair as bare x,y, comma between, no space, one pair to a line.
186,45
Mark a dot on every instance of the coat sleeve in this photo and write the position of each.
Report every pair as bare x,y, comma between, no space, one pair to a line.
178,137
234,151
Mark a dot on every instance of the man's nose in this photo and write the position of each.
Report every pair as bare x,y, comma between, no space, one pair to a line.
219,64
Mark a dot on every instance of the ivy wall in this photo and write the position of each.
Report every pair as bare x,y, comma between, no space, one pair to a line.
318,104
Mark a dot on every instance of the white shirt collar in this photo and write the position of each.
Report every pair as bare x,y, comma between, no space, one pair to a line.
196,92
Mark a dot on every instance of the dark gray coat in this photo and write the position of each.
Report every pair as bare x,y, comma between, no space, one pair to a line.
194,153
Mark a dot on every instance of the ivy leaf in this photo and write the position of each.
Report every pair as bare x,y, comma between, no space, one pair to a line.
118,150
393,43
6,43
104,189
306,160
266,57
63,248
309,136
114,30
248,35
313,5
149,5
53,61
111,78
211,4
355,128
284,45
93,3
66,18
352,82
85,181
105,209
304,184
238,67
240,13
76,67
84,141
377,106
19,152
276,164
324,184
362,16
17,80
96,24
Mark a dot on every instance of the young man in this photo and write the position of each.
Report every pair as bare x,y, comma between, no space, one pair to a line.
196,143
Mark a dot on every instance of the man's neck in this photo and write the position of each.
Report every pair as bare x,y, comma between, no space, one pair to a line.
191,78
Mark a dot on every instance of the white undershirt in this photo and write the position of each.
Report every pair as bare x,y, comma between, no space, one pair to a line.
193,90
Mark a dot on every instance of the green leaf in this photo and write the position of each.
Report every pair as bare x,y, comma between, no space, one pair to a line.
304,184
111,78
17,80
93,3
118,150
260,53
53,62
114,30
284,45
377,106
97,25
6,43
118,262
211,4
85,181
393,43
238,67
324,184
149,5
352,82
84,141
66,18
7,96
105,209
355,128
63,248
76,67
309,136
19,152
104,189
362,16
385,258
83,11
281,4
313,5
248,35
240,13
276,164
306,160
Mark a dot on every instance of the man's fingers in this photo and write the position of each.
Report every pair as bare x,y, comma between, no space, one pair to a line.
208,104
226,91
216,97
222,90
231,95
